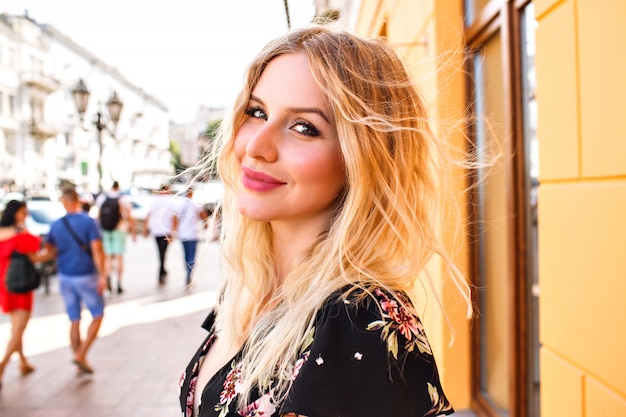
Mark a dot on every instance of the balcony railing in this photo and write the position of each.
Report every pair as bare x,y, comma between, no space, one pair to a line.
40,130
43,82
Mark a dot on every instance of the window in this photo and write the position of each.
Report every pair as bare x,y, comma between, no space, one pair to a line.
12,110
11,143
531,185
36,109
494,231
500,37
10,62
36,65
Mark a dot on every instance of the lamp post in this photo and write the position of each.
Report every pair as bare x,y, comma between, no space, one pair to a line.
114,105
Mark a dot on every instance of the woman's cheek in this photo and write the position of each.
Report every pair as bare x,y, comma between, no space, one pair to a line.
239,146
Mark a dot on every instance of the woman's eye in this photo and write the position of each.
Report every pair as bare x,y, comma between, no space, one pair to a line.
256,112
305,129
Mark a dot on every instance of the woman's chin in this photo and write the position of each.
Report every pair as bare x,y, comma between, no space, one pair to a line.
253,212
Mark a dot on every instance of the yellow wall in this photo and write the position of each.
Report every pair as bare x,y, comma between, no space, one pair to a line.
581,91
581,94
427,35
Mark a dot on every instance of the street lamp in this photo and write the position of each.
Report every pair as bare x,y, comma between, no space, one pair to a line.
114,105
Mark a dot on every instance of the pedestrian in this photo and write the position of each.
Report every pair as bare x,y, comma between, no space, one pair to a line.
116,221
159,224
75,240
15,238
215,223
187,223
331,203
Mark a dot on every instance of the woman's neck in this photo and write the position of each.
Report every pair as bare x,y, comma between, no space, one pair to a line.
291,244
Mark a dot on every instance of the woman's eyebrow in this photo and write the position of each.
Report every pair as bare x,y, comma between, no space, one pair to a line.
310,110
298,109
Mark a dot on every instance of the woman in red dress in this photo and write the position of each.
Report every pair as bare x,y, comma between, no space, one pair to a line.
13,237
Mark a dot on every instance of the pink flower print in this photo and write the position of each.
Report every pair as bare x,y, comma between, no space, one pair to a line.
181,381
407,325
230,386
190,395
403,321
388,306
263,407
299,364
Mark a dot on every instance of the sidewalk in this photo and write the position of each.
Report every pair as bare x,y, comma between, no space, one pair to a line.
148,335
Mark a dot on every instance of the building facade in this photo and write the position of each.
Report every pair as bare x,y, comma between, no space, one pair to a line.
543,84
45,142
191,136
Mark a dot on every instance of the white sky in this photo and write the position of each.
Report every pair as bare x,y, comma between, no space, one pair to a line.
186,53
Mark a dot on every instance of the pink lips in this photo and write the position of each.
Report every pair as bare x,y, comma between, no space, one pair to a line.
259,181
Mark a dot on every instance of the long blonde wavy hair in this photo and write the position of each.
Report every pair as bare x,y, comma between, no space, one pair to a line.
384,230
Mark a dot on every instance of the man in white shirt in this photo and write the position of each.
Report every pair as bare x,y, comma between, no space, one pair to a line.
159,224
187,224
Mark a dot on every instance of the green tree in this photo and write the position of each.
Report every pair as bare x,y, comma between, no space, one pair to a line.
176,161
209,135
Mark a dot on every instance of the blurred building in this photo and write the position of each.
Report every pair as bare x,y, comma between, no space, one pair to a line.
44,142
544,82
191,136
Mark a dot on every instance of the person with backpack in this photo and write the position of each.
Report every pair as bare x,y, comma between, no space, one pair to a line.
114,215
18,306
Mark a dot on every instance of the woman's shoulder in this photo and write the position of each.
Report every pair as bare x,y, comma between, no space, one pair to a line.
7,234
368,344
27,242
374,300
16,235
381,313
22,241
8,241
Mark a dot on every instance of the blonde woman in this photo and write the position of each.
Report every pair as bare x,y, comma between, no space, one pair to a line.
328,219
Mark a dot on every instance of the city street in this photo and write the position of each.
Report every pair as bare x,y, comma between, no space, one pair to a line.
148,335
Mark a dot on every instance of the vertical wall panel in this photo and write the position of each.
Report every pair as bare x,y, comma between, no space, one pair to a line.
602,86
561,386
557,94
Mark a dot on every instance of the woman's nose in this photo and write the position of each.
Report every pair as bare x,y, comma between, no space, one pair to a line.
263,142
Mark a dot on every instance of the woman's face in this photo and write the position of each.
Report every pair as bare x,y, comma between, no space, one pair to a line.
288,150
20,215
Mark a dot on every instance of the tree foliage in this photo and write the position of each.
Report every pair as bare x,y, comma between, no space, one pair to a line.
176,158
210,134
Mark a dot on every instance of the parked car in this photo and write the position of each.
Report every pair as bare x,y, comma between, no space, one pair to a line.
13,195
41,214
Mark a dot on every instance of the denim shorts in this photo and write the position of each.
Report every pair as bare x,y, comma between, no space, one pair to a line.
77,290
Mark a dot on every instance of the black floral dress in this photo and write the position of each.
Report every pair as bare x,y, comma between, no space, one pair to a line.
366,358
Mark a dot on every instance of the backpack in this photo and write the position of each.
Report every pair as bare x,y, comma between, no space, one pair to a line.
110,214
